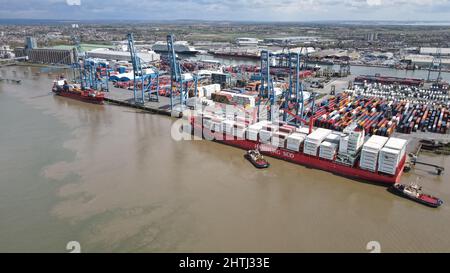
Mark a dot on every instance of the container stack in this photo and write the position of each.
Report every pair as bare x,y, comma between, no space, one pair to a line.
354,139
303,130
391,155
313,141
216,124
295,141
370,152
333,138
253,130
228,126
343,144
265,134
382,116
328,150
239,130
207,119
279,139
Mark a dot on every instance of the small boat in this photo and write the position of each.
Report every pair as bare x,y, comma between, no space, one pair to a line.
256,158
414,192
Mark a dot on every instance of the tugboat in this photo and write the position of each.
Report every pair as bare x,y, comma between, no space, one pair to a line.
256,158
414,192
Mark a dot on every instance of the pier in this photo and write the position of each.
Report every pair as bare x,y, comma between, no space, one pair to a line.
125,97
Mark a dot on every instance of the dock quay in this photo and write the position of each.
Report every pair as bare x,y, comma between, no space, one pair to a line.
125,97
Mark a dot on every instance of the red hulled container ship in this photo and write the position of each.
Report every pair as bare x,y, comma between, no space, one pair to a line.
73,91
351,170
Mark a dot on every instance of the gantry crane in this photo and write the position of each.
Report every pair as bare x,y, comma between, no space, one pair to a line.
437,61
293,96
179,81
145,76
266,90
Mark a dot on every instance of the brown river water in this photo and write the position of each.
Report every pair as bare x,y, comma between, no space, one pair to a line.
112,179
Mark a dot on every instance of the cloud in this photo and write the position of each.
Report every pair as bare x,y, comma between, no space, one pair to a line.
73,2
261,10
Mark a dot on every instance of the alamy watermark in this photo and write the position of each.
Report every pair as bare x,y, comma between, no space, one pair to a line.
228,123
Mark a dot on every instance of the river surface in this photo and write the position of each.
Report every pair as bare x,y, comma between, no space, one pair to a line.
112,179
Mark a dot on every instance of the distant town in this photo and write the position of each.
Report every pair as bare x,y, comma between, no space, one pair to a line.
395,46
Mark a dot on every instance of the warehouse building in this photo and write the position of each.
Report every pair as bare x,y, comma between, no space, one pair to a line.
113,55
46,55
51,56
425,60
433,51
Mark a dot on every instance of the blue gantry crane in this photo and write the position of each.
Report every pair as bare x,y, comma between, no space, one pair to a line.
145,76
179,81
76,66
87,69
436,63
293,96
266,90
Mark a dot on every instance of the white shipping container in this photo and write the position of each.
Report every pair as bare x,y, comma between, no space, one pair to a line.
318,135
389,159
343,145
207,90
279,139
239,131
376,142
265,136
303,130
310,148
328,150
333,138
252,134
216,126
294,141
397,144
228,126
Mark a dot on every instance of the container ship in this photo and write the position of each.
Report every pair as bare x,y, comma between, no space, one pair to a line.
74,91
237,53
349,153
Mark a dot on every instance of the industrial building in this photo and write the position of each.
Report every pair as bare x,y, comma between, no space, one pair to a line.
30,42
425,60
113,55
247,41
46,55
336,54
291,40
372,37
434,51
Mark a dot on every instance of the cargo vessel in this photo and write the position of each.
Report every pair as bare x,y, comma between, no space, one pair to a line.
296,145
74,91
236,53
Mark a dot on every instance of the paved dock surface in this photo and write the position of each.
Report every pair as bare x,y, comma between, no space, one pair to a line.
126,97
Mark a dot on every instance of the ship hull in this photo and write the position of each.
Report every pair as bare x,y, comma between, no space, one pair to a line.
310,161
183,52
80,97
231,55
437,203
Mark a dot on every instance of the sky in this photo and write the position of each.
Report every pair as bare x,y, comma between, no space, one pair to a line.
235,10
